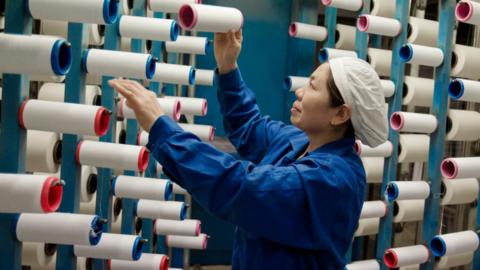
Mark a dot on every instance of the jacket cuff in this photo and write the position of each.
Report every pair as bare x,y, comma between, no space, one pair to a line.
231,80
162,129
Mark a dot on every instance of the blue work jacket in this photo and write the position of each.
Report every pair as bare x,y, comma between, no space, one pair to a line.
289,213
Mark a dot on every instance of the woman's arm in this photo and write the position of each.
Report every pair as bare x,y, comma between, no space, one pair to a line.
310,204
248,131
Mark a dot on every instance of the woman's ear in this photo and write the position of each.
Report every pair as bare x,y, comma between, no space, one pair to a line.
342,116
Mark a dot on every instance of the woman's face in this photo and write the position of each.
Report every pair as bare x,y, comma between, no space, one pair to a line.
311,112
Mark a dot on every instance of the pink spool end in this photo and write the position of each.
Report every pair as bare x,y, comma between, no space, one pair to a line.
205,241
397,121
327,2
187,16
211,137
77,152
363,23
198,228
139,135
143,157
51,195
292,29
177,108
102,121
464,11
449,168
390,258
20,114
198,1
204,107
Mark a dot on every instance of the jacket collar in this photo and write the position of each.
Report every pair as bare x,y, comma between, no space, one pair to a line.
338,147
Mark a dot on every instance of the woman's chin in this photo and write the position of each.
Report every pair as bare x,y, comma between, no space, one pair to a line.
294,120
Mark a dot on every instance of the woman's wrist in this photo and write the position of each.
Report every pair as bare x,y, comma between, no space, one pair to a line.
224,69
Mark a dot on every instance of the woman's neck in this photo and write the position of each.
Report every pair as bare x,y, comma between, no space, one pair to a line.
319,139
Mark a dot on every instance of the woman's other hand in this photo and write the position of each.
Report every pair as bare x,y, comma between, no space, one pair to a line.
142,101
227,48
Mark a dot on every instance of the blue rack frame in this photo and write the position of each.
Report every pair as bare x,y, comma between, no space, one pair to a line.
103,207
156,87
128,216
385,233
300,61
12,137
139,9
70,170
439,109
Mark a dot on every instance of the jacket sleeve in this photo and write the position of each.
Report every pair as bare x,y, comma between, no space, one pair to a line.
304,205
249,131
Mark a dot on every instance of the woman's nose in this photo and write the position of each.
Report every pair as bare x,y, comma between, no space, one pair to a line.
299,93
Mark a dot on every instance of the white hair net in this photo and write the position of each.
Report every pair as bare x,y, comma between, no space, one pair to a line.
360,88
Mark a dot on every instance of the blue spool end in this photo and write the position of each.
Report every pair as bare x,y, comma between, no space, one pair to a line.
97,231
456,88
174,31
191,76
392,192
208,46
137,249
438,246
14,224
406,53
61,57
287,83
110,11
183,211
168,195
114,182
84,60
323,55
150,68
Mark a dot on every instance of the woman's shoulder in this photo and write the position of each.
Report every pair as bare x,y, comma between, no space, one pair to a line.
340,169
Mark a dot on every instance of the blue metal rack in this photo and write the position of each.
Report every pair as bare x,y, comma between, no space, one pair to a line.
70,170
385,234
331,24
12,137
431,218
361,47
156,87
300,61
103,206
128,216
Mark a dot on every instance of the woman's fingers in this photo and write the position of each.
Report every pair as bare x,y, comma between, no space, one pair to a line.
120,88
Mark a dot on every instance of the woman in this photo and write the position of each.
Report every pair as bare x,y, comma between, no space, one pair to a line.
297,194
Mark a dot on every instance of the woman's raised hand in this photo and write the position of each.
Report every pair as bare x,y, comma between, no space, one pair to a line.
227,48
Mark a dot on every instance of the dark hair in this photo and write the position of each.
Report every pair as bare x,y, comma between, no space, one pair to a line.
336,100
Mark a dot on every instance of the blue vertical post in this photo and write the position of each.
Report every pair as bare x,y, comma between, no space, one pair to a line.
301,53
156,88
361,38
331,24
385,234
128,217
12,137
103,206
361,46
157,53
437,139
70,170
